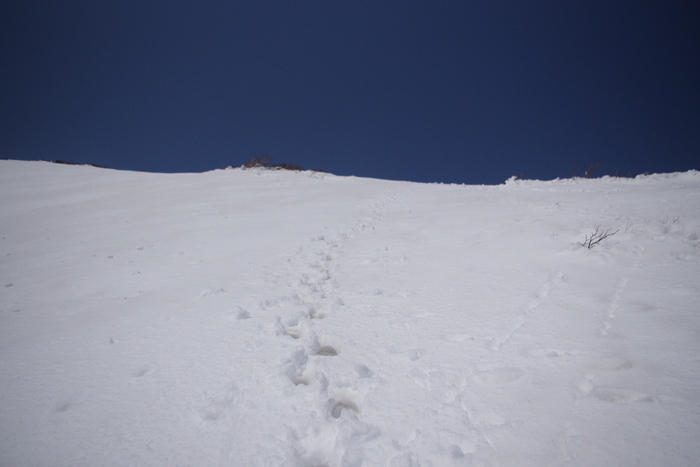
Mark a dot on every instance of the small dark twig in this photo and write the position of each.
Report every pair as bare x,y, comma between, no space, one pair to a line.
597,236
589,172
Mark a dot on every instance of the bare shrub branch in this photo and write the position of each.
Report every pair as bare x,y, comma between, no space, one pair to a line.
286,166
589,172
597,236
262,161
265,162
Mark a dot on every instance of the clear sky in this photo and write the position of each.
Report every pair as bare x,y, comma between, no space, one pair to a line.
431,91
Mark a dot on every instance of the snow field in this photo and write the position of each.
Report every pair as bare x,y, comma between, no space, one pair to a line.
272,318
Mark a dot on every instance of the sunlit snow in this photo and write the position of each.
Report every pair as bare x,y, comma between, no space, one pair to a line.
275,318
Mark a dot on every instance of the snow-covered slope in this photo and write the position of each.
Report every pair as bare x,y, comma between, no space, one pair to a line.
261,318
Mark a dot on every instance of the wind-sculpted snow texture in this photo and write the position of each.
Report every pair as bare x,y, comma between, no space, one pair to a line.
272,318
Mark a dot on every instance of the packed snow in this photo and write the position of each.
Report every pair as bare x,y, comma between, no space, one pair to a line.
275,318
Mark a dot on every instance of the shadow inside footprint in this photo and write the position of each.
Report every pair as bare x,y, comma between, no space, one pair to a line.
363,371
63,406
340,405
315,313
621,396
327,351
242,313
142,371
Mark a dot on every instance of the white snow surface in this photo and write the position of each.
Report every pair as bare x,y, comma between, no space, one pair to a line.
275,318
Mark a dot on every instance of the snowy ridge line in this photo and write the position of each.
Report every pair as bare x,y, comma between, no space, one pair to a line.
689,176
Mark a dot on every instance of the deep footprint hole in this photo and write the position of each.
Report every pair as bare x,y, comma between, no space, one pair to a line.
317,314
327,351
341,405
300,380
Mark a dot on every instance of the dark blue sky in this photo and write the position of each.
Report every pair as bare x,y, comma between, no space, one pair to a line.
447,91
